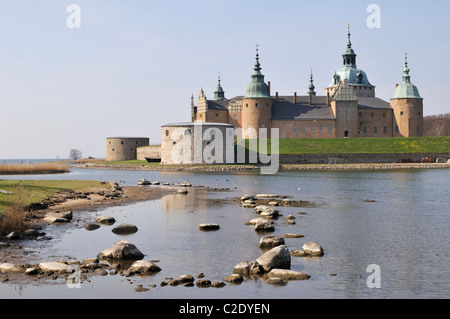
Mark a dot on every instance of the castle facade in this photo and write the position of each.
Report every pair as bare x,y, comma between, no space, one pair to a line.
349,107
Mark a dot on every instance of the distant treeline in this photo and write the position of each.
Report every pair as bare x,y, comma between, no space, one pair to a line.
436,125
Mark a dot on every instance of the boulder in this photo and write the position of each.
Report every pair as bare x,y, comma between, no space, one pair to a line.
53,266
105,220
57,217
122,249
185,279
8,268
209,227
246,197
278,257
264,225
144,266
248,268
143,181
286,274
124,229
234,278
91,226
270,241
312,249
269,213
185,184
182,191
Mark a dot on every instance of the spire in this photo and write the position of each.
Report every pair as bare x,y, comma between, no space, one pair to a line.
257,88
349,55
219,93
406,89
311,85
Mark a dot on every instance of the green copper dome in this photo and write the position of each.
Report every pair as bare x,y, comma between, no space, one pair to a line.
257,88
406,90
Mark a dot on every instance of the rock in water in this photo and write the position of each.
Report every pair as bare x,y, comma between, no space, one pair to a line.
278,257
124,229
122,249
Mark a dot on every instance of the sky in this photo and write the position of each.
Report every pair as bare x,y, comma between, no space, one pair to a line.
125,68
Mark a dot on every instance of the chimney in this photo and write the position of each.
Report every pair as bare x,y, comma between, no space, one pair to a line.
328,98
268,87
396,85
276,96
295,97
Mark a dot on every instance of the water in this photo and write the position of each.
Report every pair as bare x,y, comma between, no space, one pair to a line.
403,229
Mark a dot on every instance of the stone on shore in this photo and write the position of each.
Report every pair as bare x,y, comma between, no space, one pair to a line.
144,266
286,274
270,241
122,249
124,229
57,217
53,266
8,268
278,257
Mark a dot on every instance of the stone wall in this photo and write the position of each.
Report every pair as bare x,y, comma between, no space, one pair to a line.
151,151
355,158
124,148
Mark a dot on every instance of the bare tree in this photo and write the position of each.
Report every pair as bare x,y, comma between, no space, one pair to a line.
75,154
437,125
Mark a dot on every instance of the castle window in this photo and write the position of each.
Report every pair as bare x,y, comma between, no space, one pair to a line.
187,132
419,112
121,142
385,130
360,114
256,104
371,114
418,129
313,128
235,117
303,128
167,132
401,113
375,129
217,115
365,129
113,150
384,114
295,129
321,128
137,142
131,149
330,128
396,129
267,104
246,105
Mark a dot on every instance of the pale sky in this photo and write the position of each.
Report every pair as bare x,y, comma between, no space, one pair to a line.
133,65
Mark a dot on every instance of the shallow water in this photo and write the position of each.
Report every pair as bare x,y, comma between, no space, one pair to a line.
404,230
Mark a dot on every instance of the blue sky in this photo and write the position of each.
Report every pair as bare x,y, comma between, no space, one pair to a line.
133,65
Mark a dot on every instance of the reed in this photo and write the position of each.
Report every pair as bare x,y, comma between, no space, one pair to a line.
14,217
33,168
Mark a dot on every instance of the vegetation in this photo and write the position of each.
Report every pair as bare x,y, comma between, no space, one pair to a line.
409,145
14,217
28,192
436,125
36,168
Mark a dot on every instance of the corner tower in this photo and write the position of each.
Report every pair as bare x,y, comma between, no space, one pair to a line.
408,108
257,103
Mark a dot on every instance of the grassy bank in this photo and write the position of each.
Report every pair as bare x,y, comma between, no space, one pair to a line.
38,190
410,145
36,168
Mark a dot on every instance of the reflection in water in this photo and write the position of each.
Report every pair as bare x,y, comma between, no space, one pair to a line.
403,229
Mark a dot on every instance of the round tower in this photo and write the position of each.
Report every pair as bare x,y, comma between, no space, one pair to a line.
256,105
408,108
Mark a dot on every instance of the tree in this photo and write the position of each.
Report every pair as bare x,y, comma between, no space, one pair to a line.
75,154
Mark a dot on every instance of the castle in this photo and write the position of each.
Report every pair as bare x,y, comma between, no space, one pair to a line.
349,107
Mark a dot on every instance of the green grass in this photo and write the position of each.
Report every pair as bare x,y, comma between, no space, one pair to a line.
410,145
38,190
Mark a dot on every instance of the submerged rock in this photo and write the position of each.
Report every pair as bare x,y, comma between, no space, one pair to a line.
209,227
105,220
287,274
91,226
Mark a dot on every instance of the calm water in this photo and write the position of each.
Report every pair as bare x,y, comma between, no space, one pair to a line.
404,231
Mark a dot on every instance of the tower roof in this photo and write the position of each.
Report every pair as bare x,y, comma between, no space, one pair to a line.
406,90
219,93
257,87
349,69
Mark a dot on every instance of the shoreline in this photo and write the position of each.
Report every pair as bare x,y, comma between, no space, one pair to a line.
283,167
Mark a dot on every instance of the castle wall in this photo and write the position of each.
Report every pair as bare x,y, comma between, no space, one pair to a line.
408,117
151,151
305,128
375,122
256,114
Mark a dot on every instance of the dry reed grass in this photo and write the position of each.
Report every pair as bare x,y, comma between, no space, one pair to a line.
14,217
36,168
